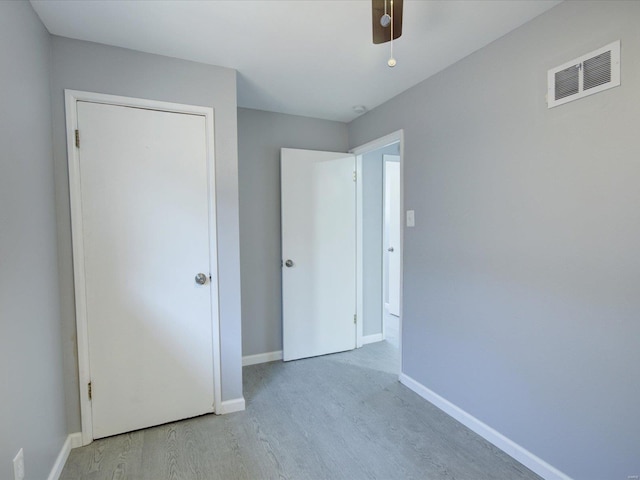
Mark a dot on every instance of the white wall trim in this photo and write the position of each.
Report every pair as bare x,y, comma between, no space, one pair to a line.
231,406
73,440
376,337
505,444
379,143
76,440
261,358
84,371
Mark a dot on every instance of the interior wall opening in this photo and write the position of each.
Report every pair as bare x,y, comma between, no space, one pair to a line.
380,246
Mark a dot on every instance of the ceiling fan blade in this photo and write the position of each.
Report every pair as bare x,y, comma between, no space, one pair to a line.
383,34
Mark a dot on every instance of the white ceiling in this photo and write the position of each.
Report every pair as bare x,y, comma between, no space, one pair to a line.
304,57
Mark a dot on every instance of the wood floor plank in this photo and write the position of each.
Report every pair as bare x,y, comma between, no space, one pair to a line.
342,416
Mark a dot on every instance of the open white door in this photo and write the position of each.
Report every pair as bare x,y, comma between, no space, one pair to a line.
392,224
144,268
319,252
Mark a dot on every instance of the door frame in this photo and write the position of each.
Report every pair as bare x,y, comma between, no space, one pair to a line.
84,369
394,137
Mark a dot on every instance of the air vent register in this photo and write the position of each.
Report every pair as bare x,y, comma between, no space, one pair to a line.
586,75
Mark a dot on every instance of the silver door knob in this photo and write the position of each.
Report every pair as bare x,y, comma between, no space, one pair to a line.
201,279
289,263
390,249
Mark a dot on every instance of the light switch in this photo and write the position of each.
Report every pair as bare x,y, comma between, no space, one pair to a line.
411,218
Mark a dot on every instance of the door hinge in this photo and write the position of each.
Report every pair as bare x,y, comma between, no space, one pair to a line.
77,138
90,391
355,175
355,318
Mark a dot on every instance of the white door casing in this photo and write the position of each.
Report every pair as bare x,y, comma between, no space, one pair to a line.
319,238
393,226
143,221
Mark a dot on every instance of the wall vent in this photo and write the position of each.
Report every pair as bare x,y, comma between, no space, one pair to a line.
585,75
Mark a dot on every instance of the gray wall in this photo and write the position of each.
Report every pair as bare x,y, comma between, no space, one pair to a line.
32,412
373,236
261,135
98,68
521,277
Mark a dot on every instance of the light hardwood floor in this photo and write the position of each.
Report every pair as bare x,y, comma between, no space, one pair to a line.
342,416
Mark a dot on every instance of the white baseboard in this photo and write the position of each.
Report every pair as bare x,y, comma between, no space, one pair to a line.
73,440
508,446
376,337
231,406
262,358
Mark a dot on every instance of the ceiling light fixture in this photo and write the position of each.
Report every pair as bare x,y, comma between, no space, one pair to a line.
359,109
385,16
392,61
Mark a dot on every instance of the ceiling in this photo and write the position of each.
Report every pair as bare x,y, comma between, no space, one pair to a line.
304,57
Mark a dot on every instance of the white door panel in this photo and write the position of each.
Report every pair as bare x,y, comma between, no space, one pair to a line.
319,237
146,235
392,220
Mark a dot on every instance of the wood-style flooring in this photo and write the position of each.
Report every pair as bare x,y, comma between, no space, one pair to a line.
342,416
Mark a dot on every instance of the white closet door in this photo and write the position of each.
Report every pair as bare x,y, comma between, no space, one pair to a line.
145,214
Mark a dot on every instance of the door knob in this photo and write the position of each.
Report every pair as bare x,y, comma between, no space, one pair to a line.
390,249
201,279
289,263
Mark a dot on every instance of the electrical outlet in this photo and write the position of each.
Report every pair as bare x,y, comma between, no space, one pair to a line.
18,466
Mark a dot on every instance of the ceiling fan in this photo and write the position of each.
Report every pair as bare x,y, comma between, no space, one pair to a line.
382,12
386,16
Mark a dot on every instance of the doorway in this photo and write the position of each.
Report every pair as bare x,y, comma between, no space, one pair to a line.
392,248
145,262
312,281
379,270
